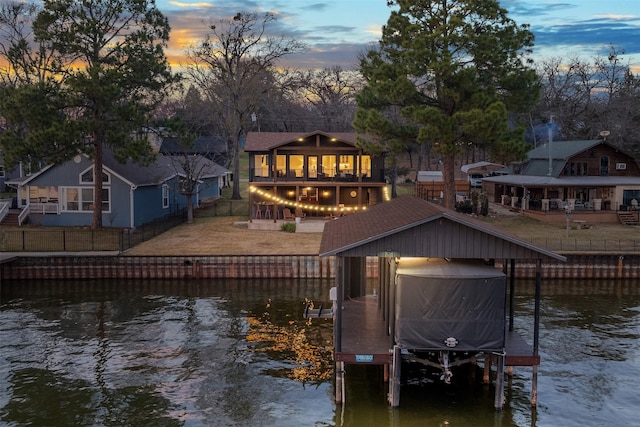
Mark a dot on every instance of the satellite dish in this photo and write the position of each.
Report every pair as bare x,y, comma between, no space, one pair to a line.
605,134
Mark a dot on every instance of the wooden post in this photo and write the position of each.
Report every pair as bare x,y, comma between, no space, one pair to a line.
620,258
512,291
487,369
534,386
340,382
536,334
499,398
392,303
394,383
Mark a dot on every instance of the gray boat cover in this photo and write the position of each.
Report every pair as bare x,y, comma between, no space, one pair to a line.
449,305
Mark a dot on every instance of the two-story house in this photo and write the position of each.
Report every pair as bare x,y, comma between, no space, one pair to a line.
316,173
575,176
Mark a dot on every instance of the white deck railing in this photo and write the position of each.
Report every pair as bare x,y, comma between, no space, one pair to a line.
4,209
23,215
44,208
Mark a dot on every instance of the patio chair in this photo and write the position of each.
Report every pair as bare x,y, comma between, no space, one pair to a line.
287,215
299,213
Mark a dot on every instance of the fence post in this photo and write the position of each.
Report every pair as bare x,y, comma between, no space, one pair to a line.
64,240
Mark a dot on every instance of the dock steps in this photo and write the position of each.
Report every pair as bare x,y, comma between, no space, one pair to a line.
317,313
628,218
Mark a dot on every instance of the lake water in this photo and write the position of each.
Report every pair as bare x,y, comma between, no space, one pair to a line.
239,353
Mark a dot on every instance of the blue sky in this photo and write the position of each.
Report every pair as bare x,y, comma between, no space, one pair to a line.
336,31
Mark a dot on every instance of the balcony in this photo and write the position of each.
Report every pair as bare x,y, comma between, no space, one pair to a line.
331,176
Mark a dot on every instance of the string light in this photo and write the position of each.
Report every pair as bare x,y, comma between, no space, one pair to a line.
289,203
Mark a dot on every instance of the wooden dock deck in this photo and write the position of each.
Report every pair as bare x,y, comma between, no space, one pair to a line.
365,340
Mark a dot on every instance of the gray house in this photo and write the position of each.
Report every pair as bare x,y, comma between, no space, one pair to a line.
62,195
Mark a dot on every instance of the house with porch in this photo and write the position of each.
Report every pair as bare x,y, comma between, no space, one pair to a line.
314,173
587,179
133,194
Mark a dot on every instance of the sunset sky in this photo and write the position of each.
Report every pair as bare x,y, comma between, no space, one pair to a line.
336,31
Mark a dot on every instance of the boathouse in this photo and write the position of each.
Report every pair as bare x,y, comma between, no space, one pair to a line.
440,299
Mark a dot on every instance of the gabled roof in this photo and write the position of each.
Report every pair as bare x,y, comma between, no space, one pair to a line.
265,141
561,151
162,169
409,226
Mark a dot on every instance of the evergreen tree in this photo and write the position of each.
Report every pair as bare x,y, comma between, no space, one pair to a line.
448,71
108,59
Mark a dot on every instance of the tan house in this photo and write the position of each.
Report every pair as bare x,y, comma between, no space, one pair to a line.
591,178
314,174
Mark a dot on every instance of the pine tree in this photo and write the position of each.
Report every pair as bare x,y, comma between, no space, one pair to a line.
448,71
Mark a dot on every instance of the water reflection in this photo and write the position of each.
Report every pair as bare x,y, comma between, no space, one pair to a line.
239,353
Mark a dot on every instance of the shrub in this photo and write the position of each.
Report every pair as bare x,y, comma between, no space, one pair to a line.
289,227
464,207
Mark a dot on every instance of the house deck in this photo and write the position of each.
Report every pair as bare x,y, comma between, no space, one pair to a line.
364,339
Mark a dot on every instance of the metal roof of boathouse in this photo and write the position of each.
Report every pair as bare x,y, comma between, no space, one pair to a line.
411,227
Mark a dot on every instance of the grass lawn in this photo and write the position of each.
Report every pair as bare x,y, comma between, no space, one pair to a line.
219,236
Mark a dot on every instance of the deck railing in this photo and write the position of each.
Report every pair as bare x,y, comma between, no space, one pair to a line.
4,209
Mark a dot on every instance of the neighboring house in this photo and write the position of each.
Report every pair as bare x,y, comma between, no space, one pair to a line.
133,195
212,147
570,175
317,172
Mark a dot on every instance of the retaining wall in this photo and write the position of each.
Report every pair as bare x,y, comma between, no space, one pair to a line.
578,266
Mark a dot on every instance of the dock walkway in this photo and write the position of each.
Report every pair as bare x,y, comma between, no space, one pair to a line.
364,338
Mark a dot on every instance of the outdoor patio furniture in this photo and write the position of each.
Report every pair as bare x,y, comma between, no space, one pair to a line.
287,215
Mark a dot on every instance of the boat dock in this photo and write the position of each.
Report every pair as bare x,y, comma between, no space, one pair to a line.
365,340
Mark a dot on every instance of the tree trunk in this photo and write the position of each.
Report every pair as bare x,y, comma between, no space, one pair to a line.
236,168
394,178
449,181
97,183
189,208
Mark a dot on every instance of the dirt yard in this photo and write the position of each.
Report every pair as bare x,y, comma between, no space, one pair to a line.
219,236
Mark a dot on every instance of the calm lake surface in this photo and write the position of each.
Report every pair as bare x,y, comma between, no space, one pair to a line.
239,353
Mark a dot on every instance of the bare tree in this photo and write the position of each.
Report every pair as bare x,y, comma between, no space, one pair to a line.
230,66
587,97
332,94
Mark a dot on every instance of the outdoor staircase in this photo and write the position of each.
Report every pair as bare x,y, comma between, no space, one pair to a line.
11,219
628,218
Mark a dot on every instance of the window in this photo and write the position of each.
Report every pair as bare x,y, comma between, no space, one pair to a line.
1,171
365,166
86,177
281,165
329,166
80,199
346,165
262,165
165,196
604,166
312,167
629,195
296,165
